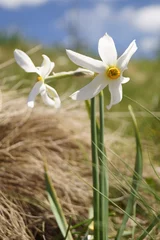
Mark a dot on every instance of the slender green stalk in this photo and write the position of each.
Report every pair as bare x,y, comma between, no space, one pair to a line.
134,216
56,206
137,175
103,175
114,204
95,170
150,227
80,72
143,108
88,108
85,222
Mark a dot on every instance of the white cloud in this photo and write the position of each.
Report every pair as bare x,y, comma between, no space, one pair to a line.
149,44
13,4
89,24
85,20
147,19
123,24
85,24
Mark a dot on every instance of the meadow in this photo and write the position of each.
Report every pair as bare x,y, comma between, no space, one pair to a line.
62,137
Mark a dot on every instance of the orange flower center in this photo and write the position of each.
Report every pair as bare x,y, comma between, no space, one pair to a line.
39,78
113,72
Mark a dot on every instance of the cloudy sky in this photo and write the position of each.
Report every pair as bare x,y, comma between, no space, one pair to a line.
68,21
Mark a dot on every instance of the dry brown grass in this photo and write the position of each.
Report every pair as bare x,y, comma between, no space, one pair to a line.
12,224
27,137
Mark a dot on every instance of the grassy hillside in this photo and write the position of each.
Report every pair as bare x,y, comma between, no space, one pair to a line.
143,86
144,74
64,138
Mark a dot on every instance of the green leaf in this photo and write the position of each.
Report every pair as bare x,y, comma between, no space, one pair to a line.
157,118
95,170
137,176
103,174
56,206
150,227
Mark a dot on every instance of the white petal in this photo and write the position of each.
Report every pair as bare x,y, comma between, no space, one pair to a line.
24,61
39,86
115,89
124,79
107,50
86,62
123,60
92,89
47,94
46,67
53,94
52,66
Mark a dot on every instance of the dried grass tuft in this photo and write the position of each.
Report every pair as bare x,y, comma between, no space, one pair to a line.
62,138
27,137
12,225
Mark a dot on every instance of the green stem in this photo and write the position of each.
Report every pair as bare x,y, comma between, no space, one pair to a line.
80,72
88,108
56,206
103,176
150,227
59,76
95,170
137,176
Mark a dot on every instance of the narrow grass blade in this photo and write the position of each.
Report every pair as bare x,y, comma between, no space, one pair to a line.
68,230
103,175
56,206
115,205
136,177
95,170
157,118
150,227
86,222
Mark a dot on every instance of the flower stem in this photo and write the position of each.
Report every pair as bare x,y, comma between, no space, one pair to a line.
103,175
88,108
137,176
80,72
95,171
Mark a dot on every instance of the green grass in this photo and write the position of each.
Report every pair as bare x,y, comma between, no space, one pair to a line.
143,87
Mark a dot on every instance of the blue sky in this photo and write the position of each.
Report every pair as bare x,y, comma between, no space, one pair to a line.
64,21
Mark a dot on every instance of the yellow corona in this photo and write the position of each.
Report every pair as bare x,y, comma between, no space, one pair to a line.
39,78
113,73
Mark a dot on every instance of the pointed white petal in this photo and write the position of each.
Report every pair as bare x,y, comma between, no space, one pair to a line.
86,62
115,89
46,95
54,97
46,67
24,61
124,59
124,79
52,66
107,50
92,89
39,86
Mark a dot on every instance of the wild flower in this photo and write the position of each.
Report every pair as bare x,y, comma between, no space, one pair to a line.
49,95
108,71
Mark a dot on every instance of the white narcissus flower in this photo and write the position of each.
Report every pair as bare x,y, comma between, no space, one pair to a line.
49,95
109,70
